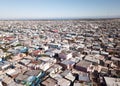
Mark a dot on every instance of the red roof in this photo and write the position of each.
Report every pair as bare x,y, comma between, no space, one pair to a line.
36,52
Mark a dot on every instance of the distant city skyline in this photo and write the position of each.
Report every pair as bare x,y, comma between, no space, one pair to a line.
51,9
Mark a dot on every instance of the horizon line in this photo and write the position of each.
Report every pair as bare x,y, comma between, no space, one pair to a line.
69,18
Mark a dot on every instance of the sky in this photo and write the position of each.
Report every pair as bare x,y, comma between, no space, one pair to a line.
33,9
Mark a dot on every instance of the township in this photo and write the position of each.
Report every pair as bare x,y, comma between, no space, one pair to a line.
60,52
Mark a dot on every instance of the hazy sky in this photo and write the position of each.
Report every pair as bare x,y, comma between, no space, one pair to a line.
59,8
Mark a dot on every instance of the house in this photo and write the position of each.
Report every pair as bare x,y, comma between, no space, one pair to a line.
65,55
49,82
95,52
1,53
101,59
21,79
91,58
46,65
24,50
47,59
96,47
56,76
116,61
36,52
48,53
54,45
108,63
35,64
104,53
12,73
4,65
83,77
13,51
12,83
54,69
45,47
76,59
2,83
15,43
18,57
65,46
63,82
67,64
112,81
80,47
104,71
5,79
25,61
83,65
68,75
77,83
30,78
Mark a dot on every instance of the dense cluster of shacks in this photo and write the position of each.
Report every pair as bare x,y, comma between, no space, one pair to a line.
60,53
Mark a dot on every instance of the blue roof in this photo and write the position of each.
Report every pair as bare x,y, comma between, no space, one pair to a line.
31,78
